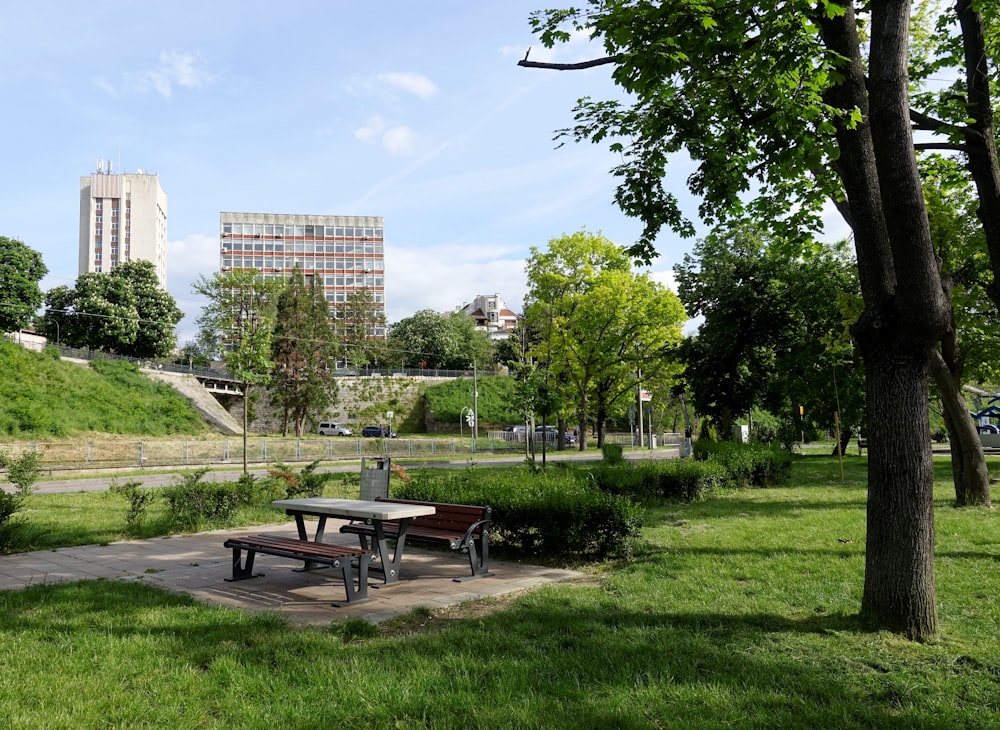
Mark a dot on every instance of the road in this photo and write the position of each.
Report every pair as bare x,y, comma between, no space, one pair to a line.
158,479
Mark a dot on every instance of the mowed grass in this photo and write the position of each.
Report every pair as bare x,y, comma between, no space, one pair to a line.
736,612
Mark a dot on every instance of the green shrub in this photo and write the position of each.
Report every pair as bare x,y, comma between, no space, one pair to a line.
22,470
613,454
747,465
139,499
9,506
683,479
193,503
306,483
556,514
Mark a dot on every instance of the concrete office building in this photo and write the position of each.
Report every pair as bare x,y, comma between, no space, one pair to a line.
123,217
346,252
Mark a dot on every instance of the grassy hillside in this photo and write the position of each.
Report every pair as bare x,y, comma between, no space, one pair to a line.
497,400
42,397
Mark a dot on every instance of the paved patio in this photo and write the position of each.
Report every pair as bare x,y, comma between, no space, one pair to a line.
198,565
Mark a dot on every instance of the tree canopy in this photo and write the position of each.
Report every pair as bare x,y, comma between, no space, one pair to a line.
304,352
429,339
123,311
603,329
774,333
21,270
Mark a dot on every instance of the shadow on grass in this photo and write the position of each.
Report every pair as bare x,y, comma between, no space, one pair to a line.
548,654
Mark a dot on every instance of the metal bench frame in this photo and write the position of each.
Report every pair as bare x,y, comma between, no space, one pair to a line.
460,527
313,554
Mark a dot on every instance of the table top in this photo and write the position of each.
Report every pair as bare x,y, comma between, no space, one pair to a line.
358,509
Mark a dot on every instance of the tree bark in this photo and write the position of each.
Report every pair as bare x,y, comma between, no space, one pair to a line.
905,317
980,135
968,462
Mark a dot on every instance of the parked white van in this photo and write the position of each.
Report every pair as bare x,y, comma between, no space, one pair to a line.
329,428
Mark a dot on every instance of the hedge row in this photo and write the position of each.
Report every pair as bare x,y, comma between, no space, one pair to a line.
747,465
682,479
554,513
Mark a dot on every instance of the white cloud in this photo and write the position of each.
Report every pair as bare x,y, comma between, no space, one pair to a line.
413,83
396,139
399,140
175,69
444,277
106,86
666,278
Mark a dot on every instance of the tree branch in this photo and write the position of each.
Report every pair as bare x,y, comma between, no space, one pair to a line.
927,123
957,146
569,66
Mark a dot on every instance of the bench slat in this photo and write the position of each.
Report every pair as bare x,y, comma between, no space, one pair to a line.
311,553
262,543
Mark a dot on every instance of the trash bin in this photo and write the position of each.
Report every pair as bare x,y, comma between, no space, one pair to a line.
375,477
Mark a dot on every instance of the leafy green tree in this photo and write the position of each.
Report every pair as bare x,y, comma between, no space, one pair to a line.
241,307
359,320
21,269
123,311
774,335
442,341
781,106
603,328
304,352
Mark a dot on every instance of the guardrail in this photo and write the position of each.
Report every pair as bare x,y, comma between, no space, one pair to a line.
261,450
222,374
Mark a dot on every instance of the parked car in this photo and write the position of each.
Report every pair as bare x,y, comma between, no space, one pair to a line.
552,434
329,428
377,431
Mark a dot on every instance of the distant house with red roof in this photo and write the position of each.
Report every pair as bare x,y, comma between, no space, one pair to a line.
491,315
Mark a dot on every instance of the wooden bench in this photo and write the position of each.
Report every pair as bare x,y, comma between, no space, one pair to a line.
313,554
862,444
460,527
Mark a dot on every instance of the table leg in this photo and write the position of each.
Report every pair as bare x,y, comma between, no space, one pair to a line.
300,526
390,566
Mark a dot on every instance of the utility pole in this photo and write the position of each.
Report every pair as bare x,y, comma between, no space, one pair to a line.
475,406
638,395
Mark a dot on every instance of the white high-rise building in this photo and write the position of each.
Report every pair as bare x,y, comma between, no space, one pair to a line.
123,217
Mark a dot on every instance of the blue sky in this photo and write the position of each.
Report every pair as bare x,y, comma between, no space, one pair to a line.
414,111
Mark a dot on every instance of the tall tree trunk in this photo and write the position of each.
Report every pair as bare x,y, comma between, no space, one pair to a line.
899,591
980,134
905,316
968,462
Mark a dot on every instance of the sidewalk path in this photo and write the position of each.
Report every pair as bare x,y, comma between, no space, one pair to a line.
198,565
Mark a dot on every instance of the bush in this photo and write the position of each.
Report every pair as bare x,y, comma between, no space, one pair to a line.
747,465
307,483
683,479
192,503
139,499
22,470
613,454
9,506
555,514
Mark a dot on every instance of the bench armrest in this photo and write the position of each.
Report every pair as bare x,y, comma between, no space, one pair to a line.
484,524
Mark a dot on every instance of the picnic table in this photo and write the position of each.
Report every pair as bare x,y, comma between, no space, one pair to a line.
375,513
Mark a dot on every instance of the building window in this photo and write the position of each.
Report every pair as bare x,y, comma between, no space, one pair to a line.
98,205
98,218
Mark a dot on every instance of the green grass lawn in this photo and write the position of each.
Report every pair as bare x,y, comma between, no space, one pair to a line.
736,612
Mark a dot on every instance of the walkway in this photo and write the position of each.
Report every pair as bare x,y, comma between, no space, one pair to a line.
198,565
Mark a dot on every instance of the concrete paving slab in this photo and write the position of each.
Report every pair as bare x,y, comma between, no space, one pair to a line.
198,565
